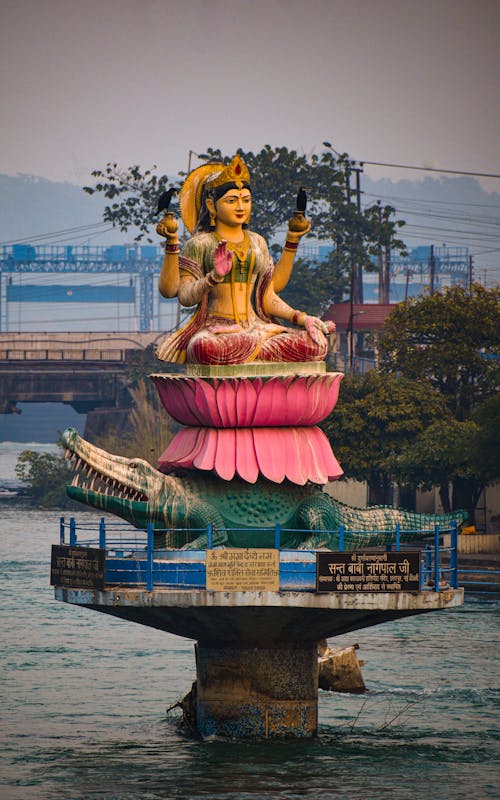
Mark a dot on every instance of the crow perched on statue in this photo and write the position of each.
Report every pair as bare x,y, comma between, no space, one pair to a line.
165,199
302,200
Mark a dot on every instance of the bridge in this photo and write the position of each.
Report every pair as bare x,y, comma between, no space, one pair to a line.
90,372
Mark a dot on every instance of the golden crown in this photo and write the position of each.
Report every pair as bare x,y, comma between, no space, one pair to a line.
235,172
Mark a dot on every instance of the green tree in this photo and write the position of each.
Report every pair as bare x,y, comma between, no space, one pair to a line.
465,454
135,193
46,475
376,419
450,341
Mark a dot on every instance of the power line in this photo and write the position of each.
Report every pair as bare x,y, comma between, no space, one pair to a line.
64,232
430,200
362,162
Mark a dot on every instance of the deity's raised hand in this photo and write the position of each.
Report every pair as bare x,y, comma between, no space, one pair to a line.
223,260
298,226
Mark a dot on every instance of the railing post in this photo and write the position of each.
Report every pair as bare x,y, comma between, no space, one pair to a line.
398,537
428,561
277,537
61,530
454,555
72,532
102,533
341,538
210,535
149,558
436,558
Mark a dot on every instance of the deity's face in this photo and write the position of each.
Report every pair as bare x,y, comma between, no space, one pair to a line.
234,207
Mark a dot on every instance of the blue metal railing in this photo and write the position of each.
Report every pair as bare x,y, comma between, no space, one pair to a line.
130,553
488,585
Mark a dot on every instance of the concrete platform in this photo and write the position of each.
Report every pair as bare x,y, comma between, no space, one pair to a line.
258,618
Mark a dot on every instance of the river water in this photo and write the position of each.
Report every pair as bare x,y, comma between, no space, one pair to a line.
85,698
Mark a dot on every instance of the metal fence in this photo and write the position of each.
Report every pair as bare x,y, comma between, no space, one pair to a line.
134,556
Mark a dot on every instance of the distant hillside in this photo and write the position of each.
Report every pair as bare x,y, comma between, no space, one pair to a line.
31,206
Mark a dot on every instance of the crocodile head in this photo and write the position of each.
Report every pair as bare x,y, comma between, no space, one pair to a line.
130,488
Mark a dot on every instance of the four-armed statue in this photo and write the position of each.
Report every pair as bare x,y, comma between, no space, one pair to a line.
246,470
226,271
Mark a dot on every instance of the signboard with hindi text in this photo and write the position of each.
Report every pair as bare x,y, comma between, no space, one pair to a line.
243,570
368,572
77,567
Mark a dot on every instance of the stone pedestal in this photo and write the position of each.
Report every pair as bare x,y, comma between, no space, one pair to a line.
257,656
257,693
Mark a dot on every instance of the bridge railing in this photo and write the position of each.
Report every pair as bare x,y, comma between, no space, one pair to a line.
155,557
69,354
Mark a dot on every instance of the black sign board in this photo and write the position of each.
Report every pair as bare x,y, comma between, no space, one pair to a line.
77,567
368,572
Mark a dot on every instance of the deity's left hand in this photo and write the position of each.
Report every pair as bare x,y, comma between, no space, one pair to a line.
316,328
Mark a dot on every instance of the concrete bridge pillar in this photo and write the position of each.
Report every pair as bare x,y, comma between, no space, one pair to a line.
257,692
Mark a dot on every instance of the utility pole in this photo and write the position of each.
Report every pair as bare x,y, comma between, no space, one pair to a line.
432,270
351,324
381,289
358,274
470,274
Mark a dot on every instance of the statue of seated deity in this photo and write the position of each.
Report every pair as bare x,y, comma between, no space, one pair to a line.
226,271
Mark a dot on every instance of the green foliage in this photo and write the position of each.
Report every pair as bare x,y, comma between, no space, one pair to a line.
450,339
135,194
484,447
441,450
46,476
377,418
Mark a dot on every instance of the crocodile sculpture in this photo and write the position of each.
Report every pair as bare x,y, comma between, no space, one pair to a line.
242,515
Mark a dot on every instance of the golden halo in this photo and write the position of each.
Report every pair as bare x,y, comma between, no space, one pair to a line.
191,193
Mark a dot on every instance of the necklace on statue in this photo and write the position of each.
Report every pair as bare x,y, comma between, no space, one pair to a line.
240,249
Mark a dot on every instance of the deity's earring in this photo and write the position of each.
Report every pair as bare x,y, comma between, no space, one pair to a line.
212,220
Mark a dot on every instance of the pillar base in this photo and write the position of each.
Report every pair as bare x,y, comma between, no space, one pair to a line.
257,693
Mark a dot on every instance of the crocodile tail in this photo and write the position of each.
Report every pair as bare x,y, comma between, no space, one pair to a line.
322,516
380,518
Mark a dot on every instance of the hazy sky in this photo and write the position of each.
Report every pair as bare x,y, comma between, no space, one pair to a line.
145,81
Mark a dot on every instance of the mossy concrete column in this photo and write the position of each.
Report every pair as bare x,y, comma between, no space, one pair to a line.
254,692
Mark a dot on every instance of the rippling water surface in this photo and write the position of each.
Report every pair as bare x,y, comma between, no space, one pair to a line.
85,698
